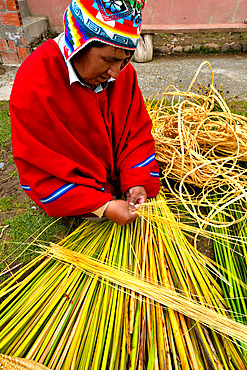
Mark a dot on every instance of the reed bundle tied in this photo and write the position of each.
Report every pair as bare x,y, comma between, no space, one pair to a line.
200,142
15,363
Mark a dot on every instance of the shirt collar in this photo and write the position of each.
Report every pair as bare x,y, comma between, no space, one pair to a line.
72,74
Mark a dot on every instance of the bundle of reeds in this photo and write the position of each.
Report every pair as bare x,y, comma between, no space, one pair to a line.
200,142
110,297
14,363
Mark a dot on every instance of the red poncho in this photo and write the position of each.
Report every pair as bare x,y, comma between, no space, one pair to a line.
74,148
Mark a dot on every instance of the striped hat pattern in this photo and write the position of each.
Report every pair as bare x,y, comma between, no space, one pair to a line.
114,22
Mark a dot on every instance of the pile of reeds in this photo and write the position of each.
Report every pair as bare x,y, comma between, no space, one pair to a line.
200,142
141,296
138,296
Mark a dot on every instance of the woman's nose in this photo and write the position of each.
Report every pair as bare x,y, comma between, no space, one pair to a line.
114,69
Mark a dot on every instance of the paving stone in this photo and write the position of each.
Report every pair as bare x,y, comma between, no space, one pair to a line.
34,28
244,48
163,49
236,46
178,49
212,46
188,48
225,47
197,47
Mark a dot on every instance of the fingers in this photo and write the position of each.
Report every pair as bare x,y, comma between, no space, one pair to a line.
119,212
133,207
124,212
136,195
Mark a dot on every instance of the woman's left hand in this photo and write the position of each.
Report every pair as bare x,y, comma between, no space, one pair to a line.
136,195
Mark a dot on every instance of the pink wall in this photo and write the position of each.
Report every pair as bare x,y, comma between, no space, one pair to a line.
195,11
53,9
166,12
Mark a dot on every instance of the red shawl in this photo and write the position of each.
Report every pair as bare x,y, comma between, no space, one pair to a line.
74,148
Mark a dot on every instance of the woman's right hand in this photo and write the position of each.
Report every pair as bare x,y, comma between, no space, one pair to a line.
120,212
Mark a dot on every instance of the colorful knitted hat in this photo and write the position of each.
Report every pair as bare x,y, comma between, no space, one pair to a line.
114,22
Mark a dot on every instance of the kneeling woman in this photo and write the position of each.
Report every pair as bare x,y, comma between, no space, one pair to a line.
81,134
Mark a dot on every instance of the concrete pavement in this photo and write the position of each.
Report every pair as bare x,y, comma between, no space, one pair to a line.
230,71
7,76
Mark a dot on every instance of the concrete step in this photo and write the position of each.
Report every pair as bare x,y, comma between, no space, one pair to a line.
23,8
35,29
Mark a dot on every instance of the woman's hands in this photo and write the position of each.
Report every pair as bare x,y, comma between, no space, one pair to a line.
123,212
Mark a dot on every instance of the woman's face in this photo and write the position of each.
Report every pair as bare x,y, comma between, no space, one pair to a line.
97,64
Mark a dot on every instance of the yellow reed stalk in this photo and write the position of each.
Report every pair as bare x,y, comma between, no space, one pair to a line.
163,342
